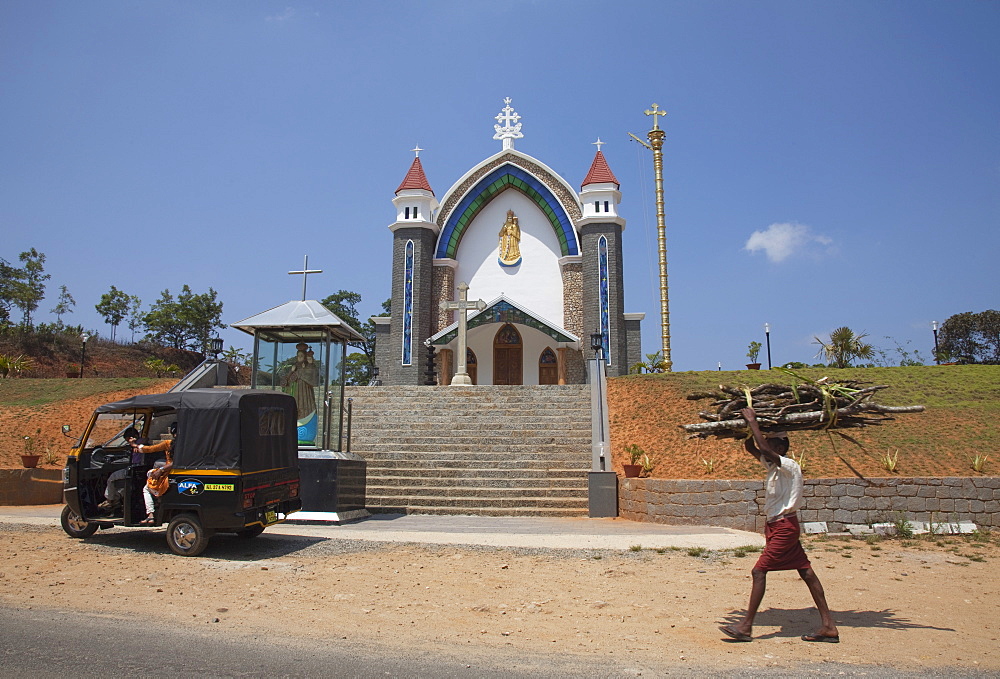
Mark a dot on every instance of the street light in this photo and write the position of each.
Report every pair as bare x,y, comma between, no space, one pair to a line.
767,338
937,356
597,343
83,355
216,347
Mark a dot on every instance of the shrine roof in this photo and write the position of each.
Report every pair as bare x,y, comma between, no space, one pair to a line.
600,173
504,310
415,178
295,317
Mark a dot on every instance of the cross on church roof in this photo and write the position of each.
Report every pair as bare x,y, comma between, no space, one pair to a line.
511,128
598,143
305,274
416,149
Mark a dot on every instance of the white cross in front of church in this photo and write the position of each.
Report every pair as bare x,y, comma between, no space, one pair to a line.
305,274
511,129
461,306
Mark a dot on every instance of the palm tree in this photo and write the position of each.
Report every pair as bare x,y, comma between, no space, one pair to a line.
843,347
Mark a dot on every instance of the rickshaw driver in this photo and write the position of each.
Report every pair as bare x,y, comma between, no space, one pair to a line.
114,489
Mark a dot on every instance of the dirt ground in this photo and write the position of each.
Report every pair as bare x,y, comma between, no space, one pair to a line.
920,605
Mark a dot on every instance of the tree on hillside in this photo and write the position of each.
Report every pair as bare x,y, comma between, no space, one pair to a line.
973,337
844,346
64,305
10,276
344,304
135,314
187,322
113,308
26,286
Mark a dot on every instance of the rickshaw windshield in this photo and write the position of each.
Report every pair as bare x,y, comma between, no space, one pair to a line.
109,428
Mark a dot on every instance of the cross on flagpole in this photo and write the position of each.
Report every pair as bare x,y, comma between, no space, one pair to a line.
305,274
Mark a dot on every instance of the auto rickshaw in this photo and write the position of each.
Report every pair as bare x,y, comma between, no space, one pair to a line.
235,465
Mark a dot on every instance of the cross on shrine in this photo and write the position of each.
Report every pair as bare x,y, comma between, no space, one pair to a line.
461,306
511,129
656,112
305,274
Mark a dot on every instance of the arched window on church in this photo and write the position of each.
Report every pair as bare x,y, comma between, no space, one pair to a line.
407,357
471,365
548,370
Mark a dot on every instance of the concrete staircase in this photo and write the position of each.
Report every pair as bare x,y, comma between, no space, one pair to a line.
483,450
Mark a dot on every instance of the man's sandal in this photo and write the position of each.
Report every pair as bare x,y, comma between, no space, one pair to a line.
825,638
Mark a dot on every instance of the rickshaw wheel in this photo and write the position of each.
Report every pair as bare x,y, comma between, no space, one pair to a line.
250,532
186,536
75,525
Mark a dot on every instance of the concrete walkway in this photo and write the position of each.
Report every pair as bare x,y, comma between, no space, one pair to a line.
526,532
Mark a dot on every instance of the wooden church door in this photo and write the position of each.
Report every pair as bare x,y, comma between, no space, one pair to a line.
548,370
507,356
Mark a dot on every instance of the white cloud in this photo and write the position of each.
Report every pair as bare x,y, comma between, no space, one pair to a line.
284,16
781,241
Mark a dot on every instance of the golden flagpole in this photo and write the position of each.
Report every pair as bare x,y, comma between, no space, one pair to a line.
656,136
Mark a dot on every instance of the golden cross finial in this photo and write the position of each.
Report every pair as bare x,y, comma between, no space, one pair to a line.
656,112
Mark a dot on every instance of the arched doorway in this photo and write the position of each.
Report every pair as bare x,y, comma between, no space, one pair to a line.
471,365
507,356
548,368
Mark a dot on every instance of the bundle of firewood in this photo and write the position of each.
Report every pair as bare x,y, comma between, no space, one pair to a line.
813,405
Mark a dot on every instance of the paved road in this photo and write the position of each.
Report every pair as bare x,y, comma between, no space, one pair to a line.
524,532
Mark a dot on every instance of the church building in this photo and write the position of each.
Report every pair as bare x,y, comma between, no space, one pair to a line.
542,264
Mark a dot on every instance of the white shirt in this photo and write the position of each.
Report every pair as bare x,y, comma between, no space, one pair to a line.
783,487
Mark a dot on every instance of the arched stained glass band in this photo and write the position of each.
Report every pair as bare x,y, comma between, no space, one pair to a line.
605,311
505,177
408,305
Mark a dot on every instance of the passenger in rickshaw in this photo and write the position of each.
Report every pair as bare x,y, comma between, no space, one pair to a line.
116,482
157,481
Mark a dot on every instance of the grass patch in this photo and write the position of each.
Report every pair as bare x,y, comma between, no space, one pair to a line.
697,551
39,392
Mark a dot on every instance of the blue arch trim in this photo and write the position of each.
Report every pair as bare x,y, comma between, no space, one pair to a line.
505,177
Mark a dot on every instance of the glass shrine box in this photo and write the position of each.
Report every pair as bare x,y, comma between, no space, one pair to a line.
299,348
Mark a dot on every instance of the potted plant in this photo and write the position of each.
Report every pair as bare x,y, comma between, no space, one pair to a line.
752,352
73,370
635,453
647,465
28,458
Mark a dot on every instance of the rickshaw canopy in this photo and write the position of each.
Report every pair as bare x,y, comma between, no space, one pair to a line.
240,429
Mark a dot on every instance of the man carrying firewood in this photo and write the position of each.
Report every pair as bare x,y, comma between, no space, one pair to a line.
783,550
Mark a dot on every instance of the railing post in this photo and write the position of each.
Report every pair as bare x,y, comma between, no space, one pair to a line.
350,410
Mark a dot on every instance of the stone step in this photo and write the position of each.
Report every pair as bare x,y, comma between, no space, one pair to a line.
478,503
554,512
476,466
568,479
436,493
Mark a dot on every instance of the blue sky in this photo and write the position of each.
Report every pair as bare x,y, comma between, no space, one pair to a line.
826,163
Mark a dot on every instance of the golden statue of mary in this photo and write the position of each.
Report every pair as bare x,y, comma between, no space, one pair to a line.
510,241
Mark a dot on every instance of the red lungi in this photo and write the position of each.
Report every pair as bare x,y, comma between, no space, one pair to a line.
783,551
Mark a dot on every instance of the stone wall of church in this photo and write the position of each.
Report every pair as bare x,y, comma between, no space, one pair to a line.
572,276
424,242
444,291
590,235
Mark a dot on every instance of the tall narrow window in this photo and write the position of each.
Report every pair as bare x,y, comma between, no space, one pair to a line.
605,301
407,213
606,209
597,206
416,212
408,305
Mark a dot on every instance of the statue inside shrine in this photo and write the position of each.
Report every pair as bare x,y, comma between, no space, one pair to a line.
301,383
510,241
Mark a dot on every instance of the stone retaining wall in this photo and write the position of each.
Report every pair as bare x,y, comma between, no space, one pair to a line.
838,502
30,487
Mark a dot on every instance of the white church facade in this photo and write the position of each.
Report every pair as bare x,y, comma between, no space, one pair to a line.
542,262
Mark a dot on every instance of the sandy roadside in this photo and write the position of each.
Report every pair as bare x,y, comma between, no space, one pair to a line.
912,606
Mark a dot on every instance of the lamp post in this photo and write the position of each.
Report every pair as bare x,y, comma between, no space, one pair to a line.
937,356
597,343
767,338
216,347
83,354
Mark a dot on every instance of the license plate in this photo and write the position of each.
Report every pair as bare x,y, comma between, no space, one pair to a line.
271,516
